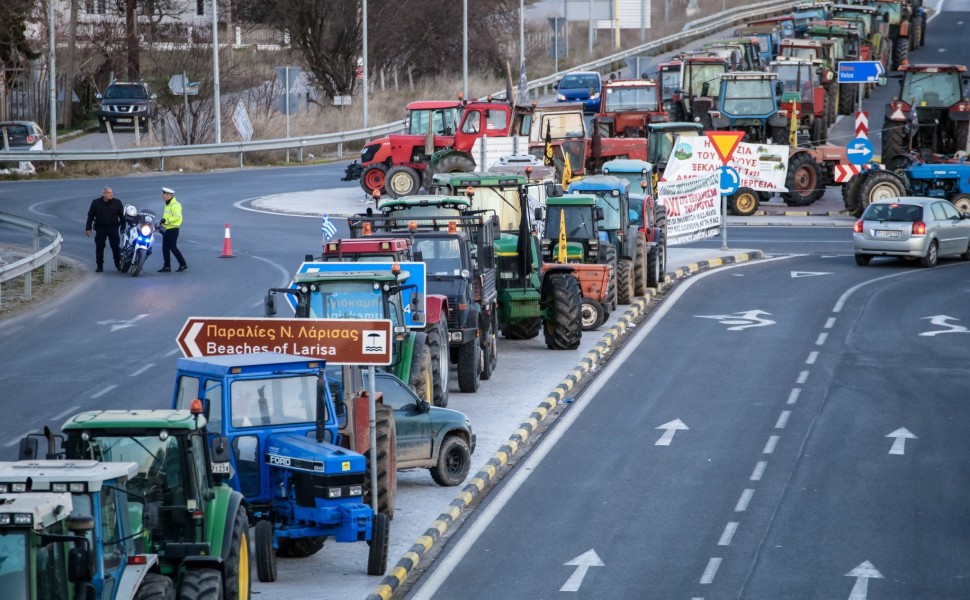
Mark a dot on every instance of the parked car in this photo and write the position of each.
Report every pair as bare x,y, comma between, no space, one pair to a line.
911,228
21,135
438,439
581,86
123,102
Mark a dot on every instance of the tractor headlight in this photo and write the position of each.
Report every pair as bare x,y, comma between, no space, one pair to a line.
334,492
59,487
18,487
79,487
23,519
355,490
454,336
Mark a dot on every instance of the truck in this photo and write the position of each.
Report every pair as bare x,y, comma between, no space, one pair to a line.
72,529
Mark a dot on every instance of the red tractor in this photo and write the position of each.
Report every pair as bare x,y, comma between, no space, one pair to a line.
628,106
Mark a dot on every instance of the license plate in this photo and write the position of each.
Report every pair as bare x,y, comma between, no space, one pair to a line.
124,120
885,233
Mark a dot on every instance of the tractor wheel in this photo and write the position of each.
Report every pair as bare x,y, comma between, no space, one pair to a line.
564,330
201,584
640,267
847,96
961,129
386,462
592,314
745,202
455,163
469,366
893,140
155,587
300,547
454,462
818,131
914,32
265,555
490,345
831,105
440,360
374,178
237,566
624,281
378,543
851,194
961,202
420,377
607,256
804,181
657,260
779,135
932,256
900,52
523,329
402,181
880,185
660,213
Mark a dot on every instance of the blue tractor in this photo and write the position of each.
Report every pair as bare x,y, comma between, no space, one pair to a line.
276,432
748,101
948,180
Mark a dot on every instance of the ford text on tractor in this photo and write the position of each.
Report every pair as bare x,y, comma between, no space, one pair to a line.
275,421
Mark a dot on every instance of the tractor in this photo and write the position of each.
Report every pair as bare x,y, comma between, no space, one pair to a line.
624,238
695,92
898,14
949,180
531,297
744,52
803,92
628,106
72,529
651,216
768,35
839,40
876,29
748,101
931,113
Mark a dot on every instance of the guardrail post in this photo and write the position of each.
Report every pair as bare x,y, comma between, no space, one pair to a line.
27,282
241,159
340,149
161,163
301,153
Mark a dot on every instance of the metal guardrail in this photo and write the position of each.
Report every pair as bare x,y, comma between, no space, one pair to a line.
694,30
42,257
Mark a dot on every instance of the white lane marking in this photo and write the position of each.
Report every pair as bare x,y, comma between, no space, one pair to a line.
862,573
899,440
728,534
770,446
848,293
741,320
812,357
744,500
239,204
484,518
796,274
171,352
941,320
142,370
759,470
783,419
710,571
793,396
821,339
104,391
830,323
64,413
49,313
670,428
802,377
582,563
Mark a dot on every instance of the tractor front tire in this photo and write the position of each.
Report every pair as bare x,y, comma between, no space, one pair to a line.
657,261
961,202
744,202
374,178
402,181
900,52
469,366
851,194
564,330
893,140
624,281
640,267
420,377
847,97
819,135
804,181
386,462
962,128
489,342
523,329
454,462
378,544
265,555
201,584
440,359
155,587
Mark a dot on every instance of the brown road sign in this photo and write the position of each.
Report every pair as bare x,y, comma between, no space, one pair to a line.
338,341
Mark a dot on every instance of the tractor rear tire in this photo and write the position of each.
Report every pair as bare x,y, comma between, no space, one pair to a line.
818,132
300,547
657,260
440,360
744,202
660,213
490,344
847,96
378,544
961,130
454,462
455,163
265,555
420,377
900,52
893,140
624,281
386,462
804,181
880,185
851,194
469,366
201,584
640,266
155,587
831,106
238,574
961,202
523,329
374,178
915,32
565,329
402,181
606,255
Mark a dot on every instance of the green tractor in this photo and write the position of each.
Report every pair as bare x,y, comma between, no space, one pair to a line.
531,296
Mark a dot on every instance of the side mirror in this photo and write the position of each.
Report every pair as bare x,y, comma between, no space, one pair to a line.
424,406
341,408
150,518
417,256
779,88
540,214
496,227
269,305
705,89
28,449
79,564
599,213
417,301
882,80
220,449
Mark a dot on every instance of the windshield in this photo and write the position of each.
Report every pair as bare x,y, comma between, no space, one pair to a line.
502,201
412,212
749,96
561,126
271,402
129,92
611,211
932,90
579,82
444,121
662,144
579,222
159,477
731,54
442,256
671,82
800,52
697,75
13,565
907,213
347,300
796,78
632,99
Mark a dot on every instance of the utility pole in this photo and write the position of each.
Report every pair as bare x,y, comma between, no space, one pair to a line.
366,75
216,96
464,49
52,83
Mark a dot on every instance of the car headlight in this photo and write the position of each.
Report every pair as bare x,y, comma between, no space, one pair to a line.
560,98
595,96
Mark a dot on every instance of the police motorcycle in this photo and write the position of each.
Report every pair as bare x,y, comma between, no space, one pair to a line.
137,239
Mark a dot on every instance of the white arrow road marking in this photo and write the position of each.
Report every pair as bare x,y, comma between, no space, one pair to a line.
194,349
795,274
671,428
899,440
741,320
941,321
582,563
862,573
116,324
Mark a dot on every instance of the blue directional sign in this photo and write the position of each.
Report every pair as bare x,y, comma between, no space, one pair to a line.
363,303
859,151
860,71
730,181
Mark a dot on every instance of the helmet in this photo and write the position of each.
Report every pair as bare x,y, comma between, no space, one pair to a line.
131,211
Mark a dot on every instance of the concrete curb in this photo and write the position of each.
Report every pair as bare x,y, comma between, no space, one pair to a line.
487,476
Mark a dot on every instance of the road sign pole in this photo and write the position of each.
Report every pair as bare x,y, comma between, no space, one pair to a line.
287,83
185,99
859,103
724,245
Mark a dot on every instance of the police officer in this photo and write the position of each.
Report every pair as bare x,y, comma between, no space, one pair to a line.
107,216
172,220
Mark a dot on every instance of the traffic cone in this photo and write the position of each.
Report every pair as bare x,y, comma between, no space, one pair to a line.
227,245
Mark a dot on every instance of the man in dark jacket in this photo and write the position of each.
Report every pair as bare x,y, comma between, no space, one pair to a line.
107,215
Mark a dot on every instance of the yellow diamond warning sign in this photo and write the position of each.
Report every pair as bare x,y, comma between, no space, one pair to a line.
725,142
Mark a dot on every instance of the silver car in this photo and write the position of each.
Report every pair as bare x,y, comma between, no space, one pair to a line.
923,228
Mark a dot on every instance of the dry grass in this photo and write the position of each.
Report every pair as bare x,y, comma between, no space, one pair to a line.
12,299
